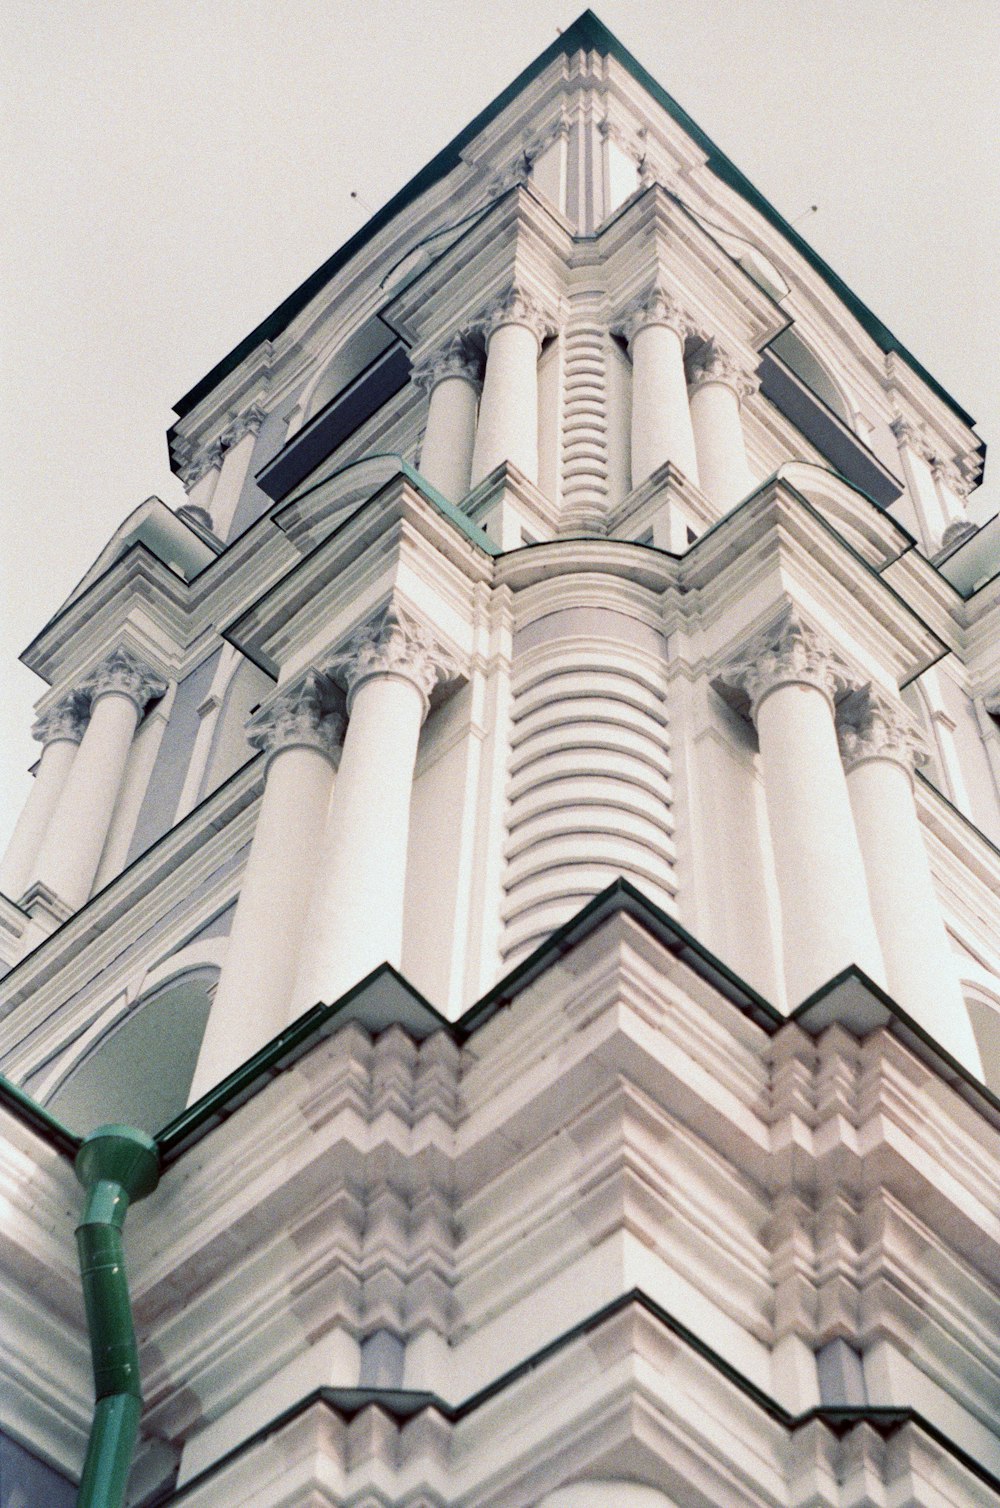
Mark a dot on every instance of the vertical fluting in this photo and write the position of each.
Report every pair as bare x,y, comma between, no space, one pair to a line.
584,429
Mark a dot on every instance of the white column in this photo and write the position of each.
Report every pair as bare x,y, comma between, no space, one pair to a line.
200,476
718,386
237,442
953,488
880,744
119,691
451,379
355,919
59,731
514,328
791,677
251,1004
655,328
915,456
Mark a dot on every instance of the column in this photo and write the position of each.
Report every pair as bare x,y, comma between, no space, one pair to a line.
200,476
119,691
790,676
300,737
514,328
953,488
59,730
915,455
881,744
451,380
237,444
355,919
718,386
655,328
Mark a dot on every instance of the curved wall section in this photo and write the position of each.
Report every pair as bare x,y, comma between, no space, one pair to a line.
589,794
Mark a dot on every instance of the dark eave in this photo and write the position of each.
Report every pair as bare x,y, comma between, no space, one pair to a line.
586,31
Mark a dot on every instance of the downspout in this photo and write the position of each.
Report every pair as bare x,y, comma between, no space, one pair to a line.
116,1165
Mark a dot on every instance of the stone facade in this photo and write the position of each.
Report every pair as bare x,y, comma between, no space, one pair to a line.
564,980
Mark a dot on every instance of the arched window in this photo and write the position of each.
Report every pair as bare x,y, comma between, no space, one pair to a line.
349,361
139,1071
798,358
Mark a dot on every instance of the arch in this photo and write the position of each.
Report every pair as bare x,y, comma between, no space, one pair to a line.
982,1000
139,1070
347,360
247,685
612,1493
793,351
916,699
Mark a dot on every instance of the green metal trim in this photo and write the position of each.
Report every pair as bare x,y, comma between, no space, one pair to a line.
586,31
117,1166
401,1404
37,1119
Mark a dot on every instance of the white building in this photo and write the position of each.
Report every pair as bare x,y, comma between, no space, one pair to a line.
537,807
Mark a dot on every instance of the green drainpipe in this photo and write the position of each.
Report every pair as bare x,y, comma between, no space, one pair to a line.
116,1165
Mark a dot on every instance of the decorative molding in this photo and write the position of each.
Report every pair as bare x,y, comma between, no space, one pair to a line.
394,645
201,463
951,475
298,717
246,423
67,719
790,652
713,363
456,358
124,674
657,306
516,306
871,725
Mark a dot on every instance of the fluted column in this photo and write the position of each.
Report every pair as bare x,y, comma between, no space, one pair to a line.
655,328
355,919
251,1004
718,386
791,677
513,327
881,744
451,380
59,731
119,690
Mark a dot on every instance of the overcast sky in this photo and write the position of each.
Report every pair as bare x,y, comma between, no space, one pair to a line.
173,168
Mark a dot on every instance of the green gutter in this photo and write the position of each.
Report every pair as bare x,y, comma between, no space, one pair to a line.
587,31
116,1165
33,1115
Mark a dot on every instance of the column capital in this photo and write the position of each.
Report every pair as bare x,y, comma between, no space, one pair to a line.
951,475
656,306
791,652
456,358
201,463
298,716
516,306
872,725
65,719
913,435
395,646
122,673
713,363
246,423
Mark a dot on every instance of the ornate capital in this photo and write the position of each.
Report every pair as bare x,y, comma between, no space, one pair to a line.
66,719
657,306
123,674
915,437
789,653
298,717
713,363
950,474
246,423
516,306
457,358
395,646
871,725
201,463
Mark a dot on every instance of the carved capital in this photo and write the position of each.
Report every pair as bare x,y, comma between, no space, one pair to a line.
246,423
122,673
394,646
915,437
871,725
298,717
457,358
713,363
516,306
201,463
950,474
66,719
657,306
789,653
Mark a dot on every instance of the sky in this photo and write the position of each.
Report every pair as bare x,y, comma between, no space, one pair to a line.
172,169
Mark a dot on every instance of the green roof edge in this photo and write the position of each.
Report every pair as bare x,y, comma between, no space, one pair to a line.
588,30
